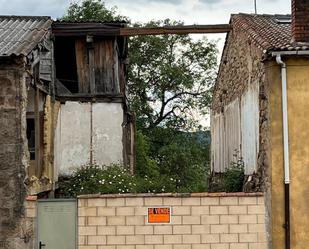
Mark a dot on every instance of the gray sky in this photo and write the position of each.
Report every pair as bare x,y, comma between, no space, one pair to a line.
189,11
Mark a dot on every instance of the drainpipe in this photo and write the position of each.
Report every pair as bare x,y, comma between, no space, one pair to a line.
285,150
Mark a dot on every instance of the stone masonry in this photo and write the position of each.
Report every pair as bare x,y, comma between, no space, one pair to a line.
12,153
208,221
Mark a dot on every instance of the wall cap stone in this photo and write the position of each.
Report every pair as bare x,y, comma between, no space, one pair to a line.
31,198
205,194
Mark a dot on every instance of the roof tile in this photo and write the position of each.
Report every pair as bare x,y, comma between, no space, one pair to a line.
267,32
20,34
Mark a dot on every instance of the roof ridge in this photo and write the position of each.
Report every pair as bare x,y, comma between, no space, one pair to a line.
261,15
24,17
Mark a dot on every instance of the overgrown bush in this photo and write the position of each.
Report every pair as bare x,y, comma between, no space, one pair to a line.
94,179
234,177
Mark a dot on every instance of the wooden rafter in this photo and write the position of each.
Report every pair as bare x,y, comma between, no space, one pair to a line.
186,29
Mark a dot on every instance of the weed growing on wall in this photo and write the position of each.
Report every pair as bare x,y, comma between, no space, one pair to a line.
234,177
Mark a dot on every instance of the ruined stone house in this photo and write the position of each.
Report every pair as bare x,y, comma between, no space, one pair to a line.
63,105
260,112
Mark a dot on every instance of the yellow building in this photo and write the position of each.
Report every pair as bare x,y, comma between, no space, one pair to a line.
259,109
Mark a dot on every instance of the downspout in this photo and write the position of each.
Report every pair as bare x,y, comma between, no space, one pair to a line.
285,150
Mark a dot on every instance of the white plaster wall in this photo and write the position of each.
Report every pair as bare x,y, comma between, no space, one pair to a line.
216,142
83,128
232,133
226,136
236,130
107,133
250,128
72,140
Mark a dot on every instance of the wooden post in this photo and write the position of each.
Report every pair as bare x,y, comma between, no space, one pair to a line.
91,70
37,132
90,45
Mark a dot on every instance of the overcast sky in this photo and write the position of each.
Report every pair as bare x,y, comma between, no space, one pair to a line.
189,11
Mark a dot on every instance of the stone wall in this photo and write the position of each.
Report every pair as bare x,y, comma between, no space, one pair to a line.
13,157
242,66
208,221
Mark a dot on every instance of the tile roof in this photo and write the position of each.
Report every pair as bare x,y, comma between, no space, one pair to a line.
267,32
20,34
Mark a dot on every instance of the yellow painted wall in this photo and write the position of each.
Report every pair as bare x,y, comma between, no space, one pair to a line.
298,111
45,182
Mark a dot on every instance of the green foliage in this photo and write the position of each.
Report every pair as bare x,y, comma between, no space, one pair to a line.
170,78
177,158
234,176
92,10
145,165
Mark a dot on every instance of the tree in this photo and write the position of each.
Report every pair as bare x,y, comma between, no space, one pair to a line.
92,10
170,78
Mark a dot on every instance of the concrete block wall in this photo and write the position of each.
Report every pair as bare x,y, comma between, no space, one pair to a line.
208,221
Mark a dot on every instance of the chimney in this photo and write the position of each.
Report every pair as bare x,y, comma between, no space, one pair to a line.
300,20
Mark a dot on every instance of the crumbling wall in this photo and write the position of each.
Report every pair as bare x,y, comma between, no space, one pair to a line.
51,110
88,133
241,70
13,153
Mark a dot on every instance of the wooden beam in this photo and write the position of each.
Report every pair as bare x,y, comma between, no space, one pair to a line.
186,29
100,98
37,131
91,70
